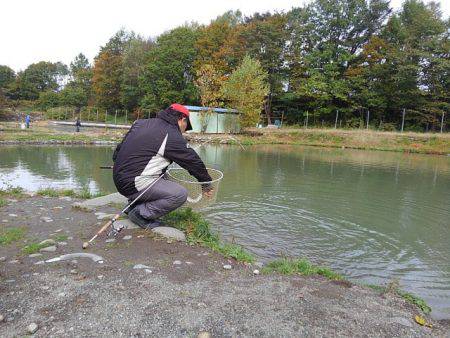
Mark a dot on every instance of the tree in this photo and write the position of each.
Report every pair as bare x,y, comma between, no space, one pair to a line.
327,38
265,37
246,89
108,71
7,76
133,66
169,75
209,83
219,44
79,90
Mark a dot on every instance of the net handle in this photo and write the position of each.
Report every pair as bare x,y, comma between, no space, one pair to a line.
168,172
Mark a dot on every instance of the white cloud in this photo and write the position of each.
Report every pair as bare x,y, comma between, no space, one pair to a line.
57,30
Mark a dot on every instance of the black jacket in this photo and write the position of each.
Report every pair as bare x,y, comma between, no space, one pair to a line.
148,148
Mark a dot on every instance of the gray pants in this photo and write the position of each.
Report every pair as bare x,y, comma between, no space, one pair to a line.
163,197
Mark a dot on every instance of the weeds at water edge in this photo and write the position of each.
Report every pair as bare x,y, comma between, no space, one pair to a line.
198,231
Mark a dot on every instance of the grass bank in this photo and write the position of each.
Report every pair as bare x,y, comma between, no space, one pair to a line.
424,143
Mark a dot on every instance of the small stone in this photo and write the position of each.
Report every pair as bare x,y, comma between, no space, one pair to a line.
140,236
45,287
140,266
46,219
32,328
148,270
5,221
14,261
48,242
62,243
204,334
9,281
70,238
36,273
189,263
58,207
100,276
127,237
259,264
61,294
2,318
12,215
100,262
227,267
110,240
2,259
39,263
74,261
73,272
49,249
256,272
176,263
34,255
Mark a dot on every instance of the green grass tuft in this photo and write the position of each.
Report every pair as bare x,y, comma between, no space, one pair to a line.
83,194
34,247
10,235
409,297
61,238
3,202
416,300
198,231
12,192
287,266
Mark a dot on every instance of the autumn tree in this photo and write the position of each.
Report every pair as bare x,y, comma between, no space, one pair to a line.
209,83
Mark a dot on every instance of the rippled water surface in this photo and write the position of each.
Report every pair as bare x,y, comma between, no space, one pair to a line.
372,216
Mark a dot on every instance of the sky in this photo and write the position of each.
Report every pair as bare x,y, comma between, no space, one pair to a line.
58,30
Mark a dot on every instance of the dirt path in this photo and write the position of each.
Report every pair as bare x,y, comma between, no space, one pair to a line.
180,291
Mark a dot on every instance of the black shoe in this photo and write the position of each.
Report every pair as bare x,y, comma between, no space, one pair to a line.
144,223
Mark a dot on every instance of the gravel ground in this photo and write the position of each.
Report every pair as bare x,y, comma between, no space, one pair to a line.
177,290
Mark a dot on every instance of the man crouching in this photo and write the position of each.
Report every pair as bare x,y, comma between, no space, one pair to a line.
144,154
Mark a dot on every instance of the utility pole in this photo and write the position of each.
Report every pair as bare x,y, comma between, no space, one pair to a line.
368,114
306,122
403,119
335,122
442,122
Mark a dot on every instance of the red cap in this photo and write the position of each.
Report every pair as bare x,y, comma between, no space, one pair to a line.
180,108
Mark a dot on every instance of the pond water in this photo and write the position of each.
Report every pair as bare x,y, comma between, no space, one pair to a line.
372,216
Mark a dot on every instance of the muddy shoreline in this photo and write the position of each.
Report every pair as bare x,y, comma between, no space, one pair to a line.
151,286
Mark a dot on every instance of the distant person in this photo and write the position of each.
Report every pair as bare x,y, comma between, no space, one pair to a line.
78,124
27,121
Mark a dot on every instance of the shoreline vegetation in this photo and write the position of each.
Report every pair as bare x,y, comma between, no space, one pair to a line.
198,232
408,142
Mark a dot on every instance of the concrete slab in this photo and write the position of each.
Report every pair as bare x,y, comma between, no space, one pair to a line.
97,202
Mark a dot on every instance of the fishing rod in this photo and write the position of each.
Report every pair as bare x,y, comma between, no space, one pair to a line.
114,231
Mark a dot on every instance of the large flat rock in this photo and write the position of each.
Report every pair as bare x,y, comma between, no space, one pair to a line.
170,232
102,201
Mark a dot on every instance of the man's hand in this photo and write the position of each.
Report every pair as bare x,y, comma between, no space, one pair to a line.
208,193
207,190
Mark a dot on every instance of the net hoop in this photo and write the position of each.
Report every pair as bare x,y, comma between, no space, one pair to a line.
171,173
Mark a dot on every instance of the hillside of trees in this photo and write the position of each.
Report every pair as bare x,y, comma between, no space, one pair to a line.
333,60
